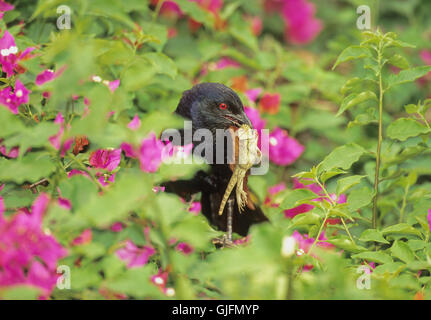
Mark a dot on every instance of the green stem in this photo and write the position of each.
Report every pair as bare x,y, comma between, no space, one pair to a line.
379,142
424,120
333,205
403,206
319,233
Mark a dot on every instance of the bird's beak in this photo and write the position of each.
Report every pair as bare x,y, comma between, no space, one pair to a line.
239,120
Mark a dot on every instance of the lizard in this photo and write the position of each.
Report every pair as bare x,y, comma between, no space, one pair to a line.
248,155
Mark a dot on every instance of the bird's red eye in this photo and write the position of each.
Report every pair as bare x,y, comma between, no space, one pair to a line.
223,106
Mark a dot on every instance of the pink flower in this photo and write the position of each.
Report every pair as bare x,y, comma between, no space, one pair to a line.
113,85
128,150
226,62
150,153
9,55
272,191
135,256
277,188
179,152
283,150
253,94
270,103
75,172
290,213
56,139
2,209
185,248
28,256
84,238
305,242
426,56
135,123
243,240
195,208
105,179
257,122
4,6
223,63
169,8
105,159
65,203
160,279
47,75
153,151
13,100
117,227
158,189
256,25
13,152
301,25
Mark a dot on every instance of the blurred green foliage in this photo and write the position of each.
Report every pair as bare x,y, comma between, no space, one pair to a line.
131,41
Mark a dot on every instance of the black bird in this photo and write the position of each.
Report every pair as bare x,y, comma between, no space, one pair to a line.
214,106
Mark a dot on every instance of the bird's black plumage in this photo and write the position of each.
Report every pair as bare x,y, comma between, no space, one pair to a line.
201,105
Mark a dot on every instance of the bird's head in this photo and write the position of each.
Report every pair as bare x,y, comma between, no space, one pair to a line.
212,106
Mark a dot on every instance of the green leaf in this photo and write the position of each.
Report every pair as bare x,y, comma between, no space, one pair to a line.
194,230
399,44
342,157
120,199
243,35
373,235
346,244
345,184
135,282
412,108
399,61
404,128
351,53
402,251
197,13
305,175
330,174
139,74
392,267
10,123
407,76
20,292
163,63
359,198
296,196
355,99
340,211
379,257
31,169
308,218
401,228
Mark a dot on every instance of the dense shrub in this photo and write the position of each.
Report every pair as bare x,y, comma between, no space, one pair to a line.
348,193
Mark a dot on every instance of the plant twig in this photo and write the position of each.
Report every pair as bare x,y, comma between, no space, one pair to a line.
380,138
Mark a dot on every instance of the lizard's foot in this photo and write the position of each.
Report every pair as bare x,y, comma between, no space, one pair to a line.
223,242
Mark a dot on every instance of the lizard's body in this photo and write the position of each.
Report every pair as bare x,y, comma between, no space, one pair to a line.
248,155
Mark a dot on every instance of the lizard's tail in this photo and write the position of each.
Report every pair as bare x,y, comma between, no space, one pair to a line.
228,191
